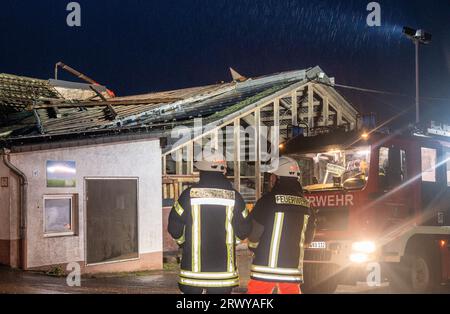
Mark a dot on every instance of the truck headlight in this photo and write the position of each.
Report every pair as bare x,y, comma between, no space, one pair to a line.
362,251
367,247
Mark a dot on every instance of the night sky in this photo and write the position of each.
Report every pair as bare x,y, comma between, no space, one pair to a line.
138,46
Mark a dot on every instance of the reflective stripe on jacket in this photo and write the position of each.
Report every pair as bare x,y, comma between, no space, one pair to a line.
205,221
283,224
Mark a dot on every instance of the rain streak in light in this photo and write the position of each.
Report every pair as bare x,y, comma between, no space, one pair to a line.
337,27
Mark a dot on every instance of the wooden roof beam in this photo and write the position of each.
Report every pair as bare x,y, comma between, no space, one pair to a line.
60,105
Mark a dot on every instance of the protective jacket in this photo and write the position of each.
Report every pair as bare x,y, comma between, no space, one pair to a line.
205,222
283,224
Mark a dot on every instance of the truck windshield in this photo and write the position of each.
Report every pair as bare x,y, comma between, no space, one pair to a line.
333,169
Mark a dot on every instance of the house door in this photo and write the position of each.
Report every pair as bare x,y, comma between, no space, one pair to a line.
111,220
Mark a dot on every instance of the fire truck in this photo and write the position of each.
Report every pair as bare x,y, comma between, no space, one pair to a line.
383,208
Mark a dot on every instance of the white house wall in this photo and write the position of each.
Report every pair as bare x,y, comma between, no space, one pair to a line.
140,159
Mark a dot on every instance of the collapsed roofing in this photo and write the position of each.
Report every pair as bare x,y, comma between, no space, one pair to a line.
42,108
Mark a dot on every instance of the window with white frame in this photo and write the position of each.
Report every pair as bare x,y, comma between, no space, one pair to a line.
429,163
59,215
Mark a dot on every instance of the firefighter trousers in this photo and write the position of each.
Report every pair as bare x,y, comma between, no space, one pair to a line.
263,287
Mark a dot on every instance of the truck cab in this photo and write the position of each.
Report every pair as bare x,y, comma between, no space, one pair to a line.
383,208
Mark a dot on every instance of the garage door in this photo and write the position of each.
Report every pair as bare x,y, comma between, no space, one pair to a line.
111,220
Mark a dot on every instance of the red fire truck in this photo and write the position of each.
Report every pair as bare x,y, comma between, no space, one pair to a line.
383,203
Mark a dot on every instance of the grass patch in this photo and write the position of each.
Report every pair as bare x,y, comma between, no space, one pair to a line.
171,267
56,272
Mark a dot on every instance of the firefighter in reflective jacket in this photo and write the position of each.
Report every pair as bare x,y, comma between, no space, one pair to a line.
205,222
283,224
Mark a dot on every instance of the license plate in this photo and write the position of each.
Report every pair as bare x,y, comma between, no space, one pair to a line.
318,245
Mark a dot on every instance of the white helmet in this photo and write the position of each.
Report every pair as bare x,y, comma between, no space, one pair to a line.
212,162
287,167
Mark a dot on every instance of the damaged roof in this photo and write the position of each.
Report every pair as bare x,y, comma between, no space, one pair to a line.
17,92
39,110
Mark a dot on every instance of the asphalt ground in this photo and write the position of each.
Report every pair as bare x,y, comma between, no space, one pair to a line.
150,282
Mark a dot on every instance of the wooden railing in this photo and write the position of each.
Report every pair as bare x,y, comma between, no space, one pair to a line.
174,185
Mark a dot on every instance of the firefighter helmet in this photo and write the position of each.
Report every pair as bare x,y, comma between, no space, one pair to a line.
212,162
287,167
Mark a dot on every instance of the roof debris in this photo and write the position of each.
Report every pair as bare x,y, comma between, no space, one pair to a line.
31,107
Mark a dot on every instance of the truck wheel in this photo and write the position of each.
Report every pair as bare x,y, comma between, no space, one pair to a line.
415,274
424,274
